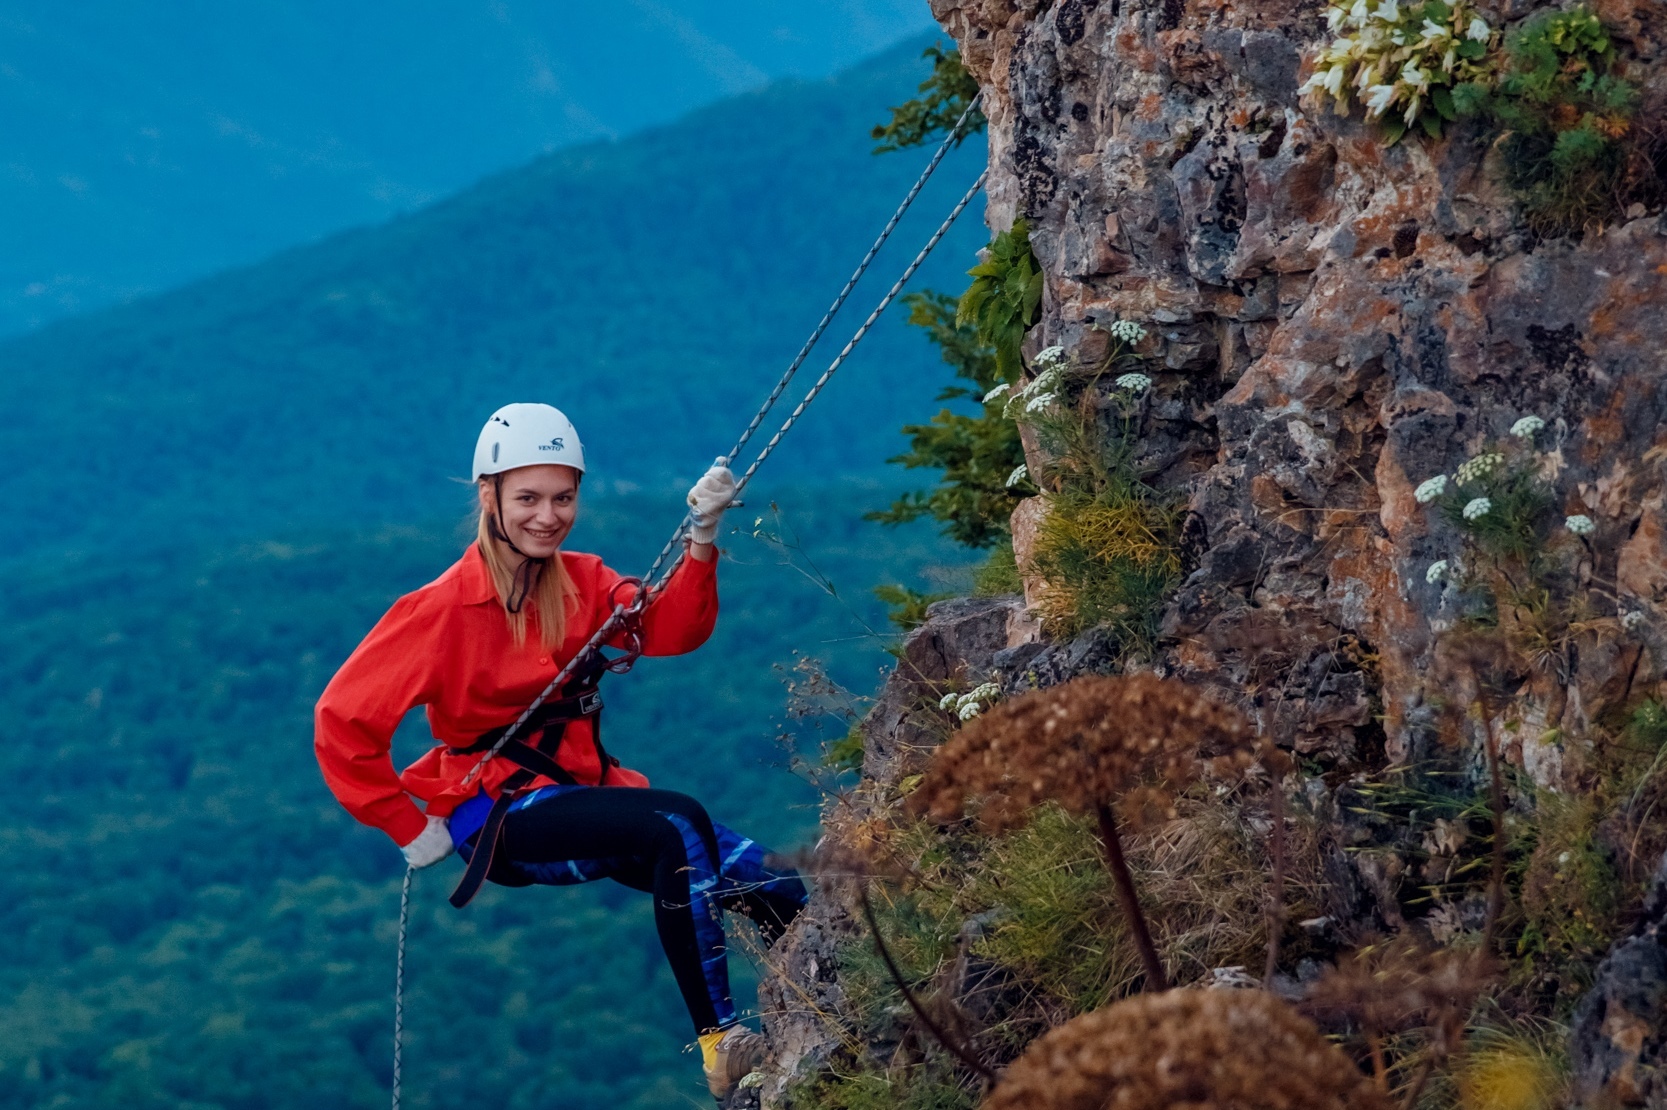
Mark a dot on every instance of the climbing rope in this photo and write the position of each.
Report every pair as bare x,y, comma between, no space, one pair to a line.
953,136
399,977
654,580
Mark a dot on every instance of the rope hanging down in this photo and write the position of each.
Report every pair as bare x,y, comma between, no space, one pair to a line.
651,585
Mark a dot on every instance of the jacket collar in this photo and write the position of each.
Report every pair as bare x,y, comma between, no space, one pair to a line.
474,580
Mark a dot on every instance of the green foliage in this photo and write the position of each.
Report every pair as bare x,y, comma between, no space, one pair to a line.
906,606
845,753
1005,298
977,453
1648,725
1570,151
1512,527
945,94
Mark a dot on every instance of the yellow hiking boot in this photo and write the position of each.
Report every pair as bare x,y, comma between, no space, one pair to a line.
730,1055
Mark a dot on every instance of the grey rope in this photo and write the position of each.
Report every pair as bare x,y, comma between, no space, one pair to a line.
950,140
650,584
399,978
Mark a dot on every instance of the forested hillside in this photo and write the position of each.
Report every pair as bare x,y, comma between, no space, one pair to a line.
653,287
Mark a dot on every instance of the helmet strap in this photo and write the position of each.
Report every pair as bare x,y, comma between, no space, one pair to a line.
528,572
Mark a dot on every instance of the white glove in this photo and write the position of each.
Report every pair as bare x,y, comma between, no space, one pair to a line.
432,845
708,500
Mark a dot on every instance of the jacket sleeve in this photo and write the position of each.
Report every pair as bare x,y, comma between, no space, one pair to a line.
684,614
393,670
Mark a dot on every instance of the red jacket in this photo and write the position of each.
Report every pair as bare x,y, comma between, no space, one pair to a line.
448,647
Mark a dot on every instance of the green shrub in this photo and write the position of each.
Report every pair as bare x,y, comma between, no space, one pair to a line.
945,94
1571,148
1005,298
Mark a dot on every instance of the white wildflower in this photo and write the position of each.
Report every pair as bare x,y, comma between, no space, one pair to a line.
1430,489
1334,80
1580,524
1437,572
1334,19
1527,427
1389,11
967,711
1020,473
998,391
1477,508
1632,620
1051,357
1041,401
1479,30
1434,32
1127,330
1134,383
1379,98
948,700
984,691
1413,105
1479,467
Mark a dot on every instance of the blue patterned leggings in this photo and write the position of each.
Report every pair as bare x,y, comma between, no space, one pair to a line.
656,841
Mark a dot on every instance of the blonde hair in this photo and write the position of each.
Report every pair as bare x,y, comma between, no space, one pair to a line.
550,597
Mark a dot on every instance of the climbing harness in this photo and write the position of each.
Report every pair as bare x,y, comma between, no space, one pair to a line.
577,679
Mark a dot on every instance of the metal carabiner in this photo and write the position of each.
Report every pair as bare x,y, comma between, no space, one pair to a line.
631,619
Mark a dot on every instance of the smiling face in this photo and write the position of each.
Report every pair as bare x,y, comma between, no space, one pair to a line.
539,504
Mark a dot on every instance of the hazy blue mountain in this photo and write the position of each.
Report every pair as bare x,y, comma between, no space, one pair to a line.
653,286
150,144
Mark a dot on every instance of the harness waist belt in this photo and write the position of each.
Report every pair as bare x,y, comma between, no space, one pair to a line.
562,710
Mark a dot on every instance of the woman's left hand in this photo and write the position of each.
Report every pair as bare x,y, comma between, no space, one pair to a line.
707,501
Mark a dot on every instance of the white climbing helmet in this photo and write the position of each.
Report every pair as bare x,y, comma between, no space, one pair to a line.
527,434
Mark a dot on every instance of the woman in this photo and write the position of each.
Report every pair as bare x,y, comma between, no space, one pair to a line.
475,647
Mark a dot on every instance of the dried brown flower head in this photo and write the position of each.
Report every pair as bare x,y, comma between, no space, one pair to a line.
1186,1050
1134,739
1394,987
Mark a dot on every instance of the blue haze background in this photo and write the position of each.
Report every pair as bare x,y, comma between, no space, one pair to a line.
148,144
210,493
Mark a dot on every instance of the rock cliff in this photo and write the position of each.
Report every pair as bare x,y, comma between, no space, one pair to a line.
1333,320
